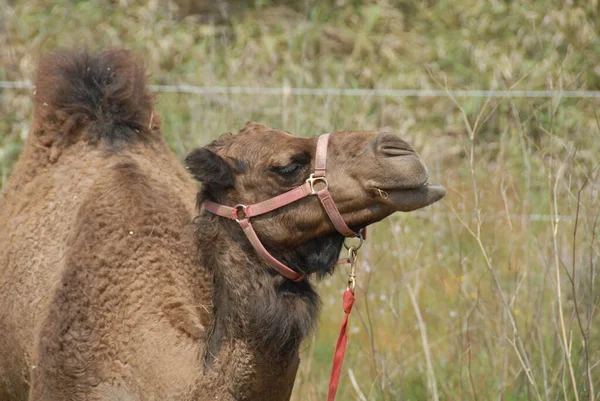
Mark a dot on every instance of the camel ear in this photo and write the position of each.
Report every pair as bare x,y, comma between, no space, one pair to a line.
208,167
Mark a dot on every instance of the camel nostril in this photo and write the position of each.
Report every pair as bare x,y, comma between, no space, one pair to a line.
388,145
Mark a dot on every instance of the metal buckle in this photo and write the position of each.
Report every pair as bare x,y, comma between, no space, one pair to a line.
312,180
237,208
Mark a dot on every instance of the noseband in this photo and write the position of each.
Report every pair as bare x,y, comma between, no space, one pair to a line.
242,213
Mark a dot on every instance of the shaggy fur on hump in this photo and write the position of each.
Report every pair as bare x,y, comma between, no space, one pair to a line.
103,95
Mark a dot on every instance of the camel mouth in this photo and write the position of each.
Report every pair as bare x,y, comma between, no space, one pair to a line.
408,198
401,186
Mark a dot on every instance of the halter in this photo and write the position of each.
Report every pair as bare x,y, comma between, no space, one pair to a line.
242,213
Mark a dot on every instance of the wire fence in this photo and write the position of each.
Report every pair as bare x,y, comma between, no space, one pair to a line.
294,91
357,92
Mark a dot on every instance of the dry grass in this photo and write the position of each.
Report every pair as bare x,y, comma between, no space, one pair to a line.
471,299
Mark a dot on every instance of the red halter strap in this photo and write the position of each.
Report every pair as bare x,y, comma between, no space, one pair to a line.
243,213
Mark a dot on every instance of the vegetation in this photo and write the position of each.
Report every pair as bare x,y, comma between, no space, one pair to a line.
491,294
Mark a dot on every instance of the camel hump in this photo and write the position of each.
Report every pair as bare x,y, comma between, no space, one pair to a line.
79,95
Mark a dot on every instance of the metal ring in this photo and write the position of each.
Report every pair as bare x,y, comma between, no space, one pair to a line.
311,180
356,248
237,208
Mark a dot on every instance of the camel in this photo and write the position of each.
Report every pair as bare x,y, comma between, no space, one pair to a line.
116,283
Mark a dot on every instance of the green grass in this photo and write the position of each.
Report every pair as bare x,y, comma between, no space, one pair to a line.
473,263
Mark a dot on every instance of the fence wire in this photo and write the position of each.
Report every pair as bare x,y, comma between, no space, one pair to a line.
292,91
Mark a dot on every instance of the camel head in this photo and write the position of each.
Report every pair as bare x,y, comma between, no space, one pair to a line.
370,176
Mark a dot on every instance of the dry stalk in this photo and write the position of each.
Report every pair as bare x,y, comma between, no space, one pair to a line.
589,384
554,224
431,379
505,200
468,334
359,393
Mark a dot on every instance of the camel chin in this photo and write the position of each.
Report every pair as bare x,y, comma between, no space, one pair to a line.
406,200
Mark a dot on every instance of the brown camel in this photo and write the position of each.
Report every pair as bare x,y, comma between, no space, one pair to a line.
110,289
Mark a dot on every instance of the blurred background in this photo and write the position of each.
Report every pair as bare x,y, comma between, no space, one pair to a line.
493,293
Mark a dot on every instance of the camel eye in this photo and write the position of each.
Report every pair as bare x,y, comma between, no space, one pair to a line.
297,164
289,170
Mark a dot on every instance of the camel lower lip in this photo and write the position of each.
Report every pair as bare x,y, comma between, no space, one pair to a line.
407,199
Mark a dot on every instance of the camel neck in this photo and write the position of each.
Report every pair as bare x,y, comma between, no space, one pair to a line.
259,321
242,373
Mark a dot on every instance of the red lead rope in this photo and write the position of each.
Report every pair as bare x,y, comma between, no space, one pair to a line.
340,347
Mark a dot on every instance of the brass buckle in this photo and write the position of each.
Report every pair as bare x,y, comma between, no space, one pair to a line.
312,180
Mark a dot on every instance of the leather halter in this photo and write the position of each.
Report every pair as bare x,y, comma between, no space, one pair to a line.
301,191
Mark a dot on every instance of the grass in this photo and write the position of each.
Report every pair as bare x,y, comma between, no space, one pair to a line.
491,294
